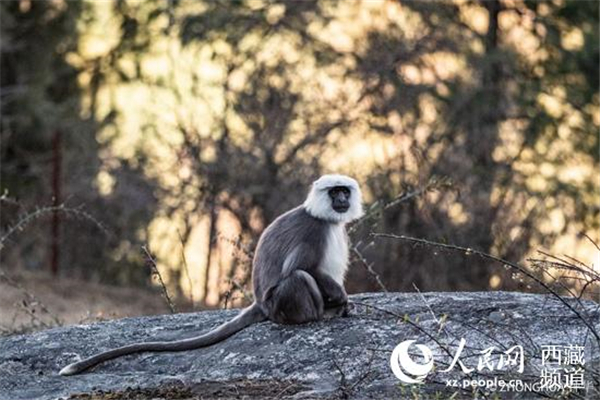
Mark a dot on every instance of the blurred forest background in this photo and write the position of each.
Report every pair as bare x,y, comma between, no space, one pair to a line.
187,126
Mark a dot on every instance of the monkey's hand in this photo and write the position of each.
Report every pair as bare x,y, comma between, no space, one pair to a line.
333,294
338,311
338,299
337,305
347,308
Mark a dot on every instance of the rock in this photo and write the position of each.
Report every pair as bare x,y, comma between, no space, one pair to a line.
338,358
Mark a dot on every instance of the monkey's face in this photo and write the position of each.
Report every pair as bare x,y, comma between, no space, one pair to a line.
340,198
334,198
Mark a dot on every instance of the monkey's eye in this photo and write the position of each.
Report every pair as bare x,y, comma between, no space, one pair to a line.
335,191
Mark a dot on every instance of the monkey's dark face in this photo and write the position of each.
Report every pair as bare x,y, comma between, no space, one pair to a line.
340,198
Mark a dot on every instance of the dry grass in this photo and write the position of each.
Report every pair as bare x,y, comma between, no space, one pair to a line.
68,301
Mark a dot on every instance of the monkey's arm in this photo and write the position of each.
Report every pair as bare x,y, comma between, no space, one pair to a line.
304,257
333,293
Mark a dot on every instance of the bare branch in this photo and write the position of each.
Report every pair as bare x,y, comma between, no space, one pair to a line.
156,272
40,212
32,300
484,255
186,269
369,267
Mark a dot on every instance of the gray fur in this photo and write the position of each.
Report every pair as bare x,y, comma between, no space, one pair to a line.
294,233
291,283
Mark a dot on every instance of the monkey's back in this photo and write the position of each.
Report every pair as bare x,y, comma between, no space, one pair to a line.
294,229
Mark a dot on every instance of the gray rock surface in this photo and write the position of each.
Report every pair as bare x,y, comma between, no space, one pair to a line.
339,358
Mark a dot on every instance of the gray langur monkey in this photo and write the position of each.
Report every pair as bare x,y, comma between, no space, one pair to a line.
298,270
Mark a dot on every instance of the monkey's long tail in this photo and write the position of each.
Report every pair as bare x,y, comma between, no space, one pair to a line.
247,317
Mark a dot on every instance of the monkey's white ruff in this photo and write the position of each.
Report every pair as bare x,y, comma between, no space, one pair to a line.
318,204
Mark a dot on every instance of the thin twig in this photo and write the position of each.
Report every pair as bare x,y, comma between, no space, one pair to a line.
186,270
435,318
566,264
239,287
156,272
227,296
367,373
343,381
30,296
237,244
40,212
6,199
416,326
408,321
592,241
29,309
434,183
369,267
484,255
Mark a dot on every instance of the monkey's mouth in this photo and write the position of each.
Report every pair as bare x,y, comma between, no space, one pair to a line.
341,208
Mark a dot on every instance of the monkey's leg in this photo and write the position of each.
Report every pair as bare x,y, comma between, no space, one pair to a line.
334,295
295,300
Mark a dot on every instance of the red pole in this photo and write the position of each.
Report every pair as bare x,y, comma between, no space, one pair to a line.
56,198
